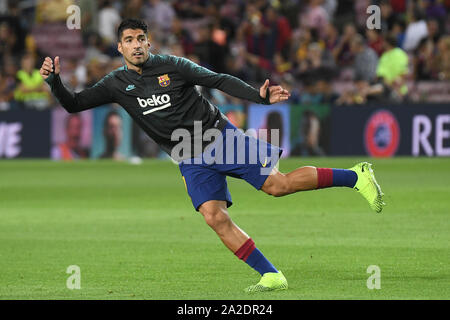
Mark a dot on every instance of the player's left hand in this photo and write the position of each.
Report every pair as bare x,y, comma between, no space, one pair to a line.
276,93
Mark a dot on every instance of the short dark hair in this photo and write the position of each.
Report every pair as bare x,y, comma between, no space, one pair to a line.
391,40
131,24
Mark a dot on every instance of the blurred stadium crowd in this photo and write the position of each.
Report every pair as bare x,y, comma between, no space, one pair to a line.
321,50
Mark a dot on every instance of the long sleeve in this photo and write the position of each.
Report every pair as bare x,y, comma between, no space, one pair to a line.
94,96
233,86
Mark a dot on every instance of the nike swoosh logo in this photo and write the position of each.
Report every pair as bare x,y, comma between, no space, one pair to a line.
265,163
130,87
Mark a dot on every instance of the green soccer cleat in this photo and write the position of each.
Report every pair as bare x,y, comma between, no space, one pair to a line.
367,186
270,281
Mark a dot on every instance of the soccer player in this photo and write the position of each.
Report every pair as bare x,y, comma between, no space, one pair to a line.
158,91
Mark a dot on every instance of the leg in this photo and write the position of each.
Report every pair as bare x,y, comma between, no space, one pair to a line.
237,241
216,216
360,177
302,179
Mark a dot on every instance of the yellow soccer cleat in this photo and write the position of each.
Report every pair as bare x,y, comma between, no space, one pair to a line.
270,281
367,186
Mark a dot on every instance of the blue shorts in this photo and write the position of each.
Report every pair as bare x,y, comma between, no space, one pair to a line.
238,155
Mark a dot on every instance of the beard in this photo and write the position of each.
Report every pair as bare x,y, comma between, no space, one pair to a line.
140,61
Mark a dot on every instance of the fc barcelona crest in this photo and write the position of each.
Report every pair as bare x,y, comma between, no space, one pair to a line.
164,80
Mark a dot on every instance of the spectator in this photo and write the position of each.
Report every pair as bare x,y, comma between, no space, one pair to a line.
159,14
281,64
387,16
398,31
182,36
31,90
280,31
420,30
7,41
252,40
52,10
366,60
317,60
108,20
211,54
237,61
133,9
331,37
89,18
6,91
423,59
415,31
229,9
303,38
441,63
316,17
96,69
433,30
16,28
393,69
342,53
94,48
362,93
255,33
375,41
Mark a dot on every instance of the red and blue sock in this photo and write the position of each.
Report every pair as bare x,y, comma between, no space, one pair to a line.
335,178
254,258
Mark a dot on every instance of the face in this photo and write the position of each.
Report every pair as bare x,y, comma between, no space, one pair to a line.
349,30
134,46
28,63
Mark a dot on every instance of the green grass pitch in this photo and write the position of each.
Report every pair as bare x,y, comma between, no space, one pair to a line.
134,234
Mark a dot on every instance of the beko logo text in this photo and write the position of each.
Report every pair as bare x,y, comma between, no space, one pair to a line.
160,102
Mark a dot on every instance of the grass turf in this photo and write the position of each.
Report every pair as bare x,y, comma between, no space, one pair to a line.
134,234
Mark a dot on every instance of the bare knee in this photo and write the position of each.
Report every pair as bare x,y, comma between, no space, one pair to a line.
277,186
215,217
282,189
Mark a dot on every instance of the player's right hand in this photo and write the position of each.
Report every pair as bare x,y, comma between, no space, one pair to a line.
48,67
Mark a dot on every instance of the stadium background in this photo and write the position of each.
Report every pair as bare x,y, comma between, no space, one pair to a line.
322,51
131,228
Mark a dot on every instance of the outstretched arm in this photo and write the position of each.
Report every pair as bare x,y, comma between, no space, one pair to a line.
73,102
233,86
